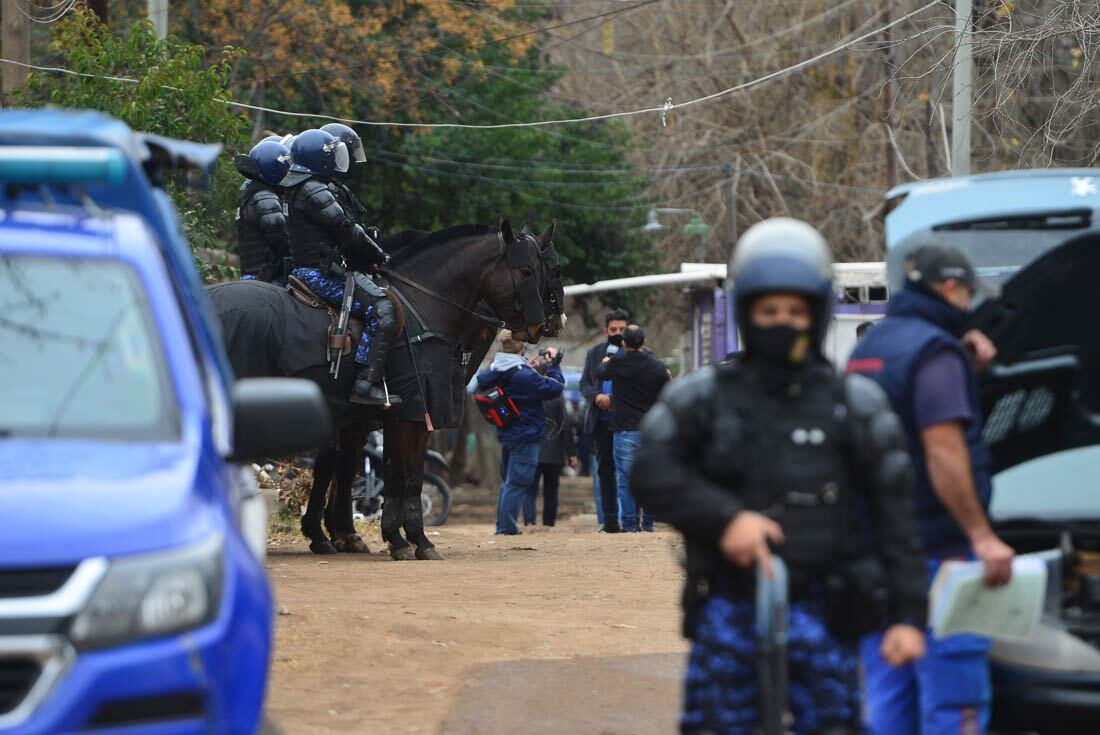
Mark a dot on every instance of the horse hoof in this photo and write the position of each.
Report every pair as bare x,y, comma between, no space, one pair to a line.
428,554
322,546
402,553
353,544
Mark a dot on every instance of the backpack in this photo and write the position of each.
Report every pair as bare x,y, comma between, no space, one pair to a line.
495,406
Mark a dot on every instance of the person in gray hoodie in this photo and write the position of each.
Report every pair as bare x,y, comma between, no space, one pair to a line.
519,442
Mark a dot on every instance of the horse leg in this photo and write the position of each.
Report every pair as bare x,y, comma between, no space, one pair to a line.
393,511
341,518
413,447
323,469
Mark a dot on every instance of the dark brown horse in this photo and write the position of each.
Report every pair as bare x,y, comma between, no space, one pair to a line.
440,281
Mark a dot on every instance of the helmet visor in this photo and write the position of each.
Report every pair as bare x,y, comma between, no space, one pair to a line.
357,151
343,159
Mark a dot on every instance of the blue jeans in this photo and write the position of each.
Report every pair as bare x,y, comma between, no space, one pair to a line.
945,693
721,688
627,444
518,464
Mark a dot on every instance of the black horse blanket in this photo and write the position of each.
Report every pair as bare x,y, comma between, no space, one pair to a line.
268,333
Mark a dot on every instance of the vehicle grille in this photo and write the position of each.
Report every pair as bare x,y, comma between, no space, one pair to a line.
32,582
17,676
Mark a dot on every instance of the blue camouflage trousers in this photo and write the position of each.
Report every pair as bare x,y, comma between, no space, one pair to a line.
332,290
721,689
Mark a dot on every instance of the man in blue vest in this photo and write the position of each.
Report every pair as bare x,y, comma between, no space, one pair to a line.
926,360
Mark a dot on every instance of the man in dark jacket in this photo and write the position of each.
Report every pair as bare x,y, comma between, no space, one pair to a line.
519,443
558,448
919,355
597,421
775,453
262,240
637,378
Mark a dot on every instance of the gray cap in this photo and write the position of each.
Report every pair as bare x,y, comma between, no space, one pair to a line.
935,263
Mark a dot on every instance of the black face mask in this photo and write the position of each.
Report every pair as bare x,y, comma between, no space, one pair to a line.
780,346
615,339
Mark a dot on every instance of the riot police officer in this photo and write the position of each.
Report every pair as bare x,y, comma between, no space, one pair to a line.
262,239
772,452
356,154
324,238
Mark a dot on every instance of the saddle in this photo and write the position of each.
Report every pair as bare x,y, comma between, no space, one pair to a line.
305,296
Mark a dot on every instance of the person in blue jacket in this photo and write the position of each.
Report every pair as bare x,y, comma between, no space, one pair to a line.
925,358
519,443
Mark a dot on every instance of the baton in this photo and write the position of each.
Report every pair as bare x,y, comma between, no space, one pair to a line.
772,626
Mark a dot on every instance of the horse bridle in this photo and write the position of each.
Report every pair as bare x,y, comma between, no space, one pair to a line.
528,287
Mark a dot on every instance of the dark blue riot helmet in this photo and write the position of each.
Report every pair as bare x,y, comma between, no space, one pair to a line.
351,139
276,138
318,153
782,255
272,159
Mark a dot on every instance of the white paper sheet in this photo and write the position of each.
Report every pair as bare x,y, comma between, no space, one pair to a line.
960,602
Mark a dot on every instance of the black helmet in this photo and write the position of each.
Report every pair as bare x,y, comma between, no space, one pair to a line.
783,255
350,138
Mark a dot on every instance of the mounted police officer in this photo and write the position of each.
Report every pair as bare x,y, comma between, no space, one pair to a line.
324,238
772,452
262,239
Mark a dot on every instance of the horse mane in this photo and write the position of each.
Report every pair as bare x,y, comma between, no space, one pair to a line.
402,251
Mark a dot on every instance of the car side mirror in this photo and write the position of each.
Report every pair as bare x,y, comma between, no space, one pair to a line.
278,417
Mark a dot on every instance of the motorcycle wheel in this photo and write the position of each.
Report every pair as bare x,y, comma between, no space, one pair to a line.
435,500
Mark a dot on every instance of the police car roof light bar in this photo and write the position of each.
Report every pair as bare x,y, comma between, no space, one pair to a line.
61,164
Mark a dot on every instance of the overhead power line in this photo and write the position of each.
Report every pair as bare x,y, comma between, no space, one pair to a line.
664,110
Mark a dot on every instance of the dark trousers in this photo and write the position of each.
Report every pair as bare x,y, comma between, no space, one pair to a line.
550,474
605,461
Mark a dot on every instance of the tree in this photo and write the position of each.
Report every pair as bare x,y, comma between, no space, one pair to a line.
176,94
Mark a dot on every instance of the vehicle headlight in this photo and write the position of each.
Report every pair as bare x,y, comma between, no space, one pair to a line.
155,594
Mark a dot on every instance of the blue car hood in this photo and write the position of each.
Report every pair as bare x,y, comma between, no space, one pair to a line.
63,501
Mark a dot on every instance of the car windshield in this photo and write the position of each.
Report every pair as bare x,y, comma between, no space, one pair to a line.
79,357
1057,486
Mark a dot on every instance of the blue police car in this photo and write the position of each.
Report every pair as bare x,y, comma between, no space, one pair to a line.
133,595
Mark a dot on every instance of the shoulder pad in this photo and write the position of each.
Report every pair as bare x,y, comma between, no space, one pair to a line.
864,396
267,201
687,390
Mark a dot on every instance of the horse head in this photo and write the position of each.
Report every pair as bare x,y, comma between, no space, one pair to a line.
534,280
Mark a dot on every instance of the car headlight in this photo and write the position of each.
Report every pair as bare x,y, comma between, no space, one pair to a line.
154,594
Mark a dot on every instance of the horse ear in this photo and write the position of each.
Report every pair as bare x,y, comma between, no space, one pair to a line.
526,230
547,237
506,229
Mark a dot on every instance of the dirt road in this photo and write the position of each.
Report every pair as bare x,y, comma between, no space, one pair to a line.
555,631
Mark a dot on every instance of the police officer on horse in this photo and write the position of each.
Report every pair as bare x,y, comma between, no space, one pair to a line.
262,239
326,240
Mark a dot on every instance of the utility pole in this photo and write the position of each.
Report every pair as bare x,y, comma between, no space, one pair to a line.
960,110
99,7
158,14
888,101
16,40
733,172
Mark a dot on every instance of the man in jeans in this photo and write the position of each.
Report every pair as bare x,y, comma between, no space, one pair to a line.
597,422
924,357
519,443
637,378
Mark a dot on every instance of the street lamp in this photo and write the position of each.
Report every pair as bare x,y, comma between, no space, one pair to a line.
695,227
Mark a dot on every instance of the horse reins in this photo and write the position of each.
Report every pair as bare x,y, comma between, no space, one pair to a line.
392,274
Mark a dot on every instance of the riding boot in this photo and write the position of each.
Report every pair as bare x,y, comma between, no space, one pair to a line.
368,384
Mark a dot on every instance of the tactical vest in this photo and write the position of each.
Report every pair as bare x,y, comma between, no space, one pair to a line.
788,457
311,245
351,205
890,355
254,250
